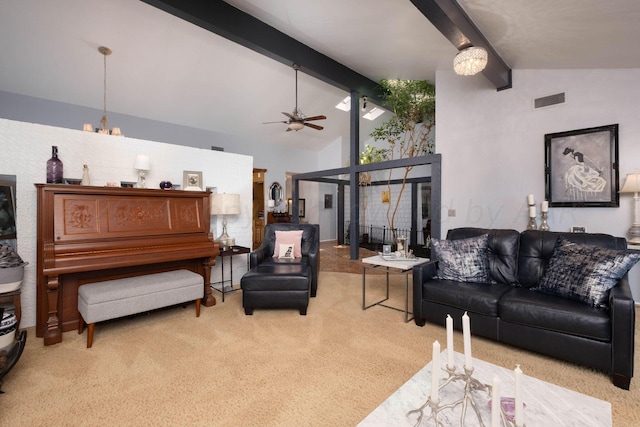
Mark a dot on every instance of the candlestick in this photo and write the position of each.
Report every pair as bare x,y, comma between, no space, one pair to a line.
519,419
435,372
532,211
530,200
466,334
495,403
449,322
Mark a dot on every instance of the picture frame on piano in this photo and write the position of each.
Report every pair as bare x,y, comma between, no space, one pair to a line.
192,180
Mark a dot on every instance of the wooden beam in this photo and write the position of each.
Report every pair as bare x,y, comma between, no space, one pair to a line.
225,20
453,22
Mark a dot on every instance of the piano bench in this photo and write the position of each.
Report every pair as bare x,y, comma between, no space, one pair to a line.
112,299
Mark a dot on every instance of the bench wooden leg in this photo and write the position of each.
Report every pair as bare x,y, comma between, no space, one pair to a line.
80,325
198,307
90,327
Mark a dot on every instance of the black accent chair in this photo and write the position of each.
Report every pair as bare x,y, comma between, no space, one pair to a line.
282,283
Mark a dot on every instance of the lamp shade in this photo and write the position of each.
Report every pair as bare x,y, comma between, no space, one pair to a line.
225,204
470,61
142,162
631,183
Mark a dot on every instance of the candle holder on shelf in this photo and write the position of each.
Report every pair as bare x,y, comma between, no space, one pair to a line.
544,226
532,225
471,384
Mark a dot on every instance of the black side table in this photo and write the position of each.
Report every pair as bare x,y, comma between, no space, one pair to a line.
229,252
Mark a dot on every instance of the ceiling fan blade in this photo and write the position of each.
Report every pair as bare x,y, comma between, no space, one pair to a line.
289,115
321,117
289,130
281,121
311,125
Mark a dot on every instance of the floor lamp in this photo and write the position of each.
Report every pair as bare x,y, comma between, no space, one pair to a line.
632,185
225,204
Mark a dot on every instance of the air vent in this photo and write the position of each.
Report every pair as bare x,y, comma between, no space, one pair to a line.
549,101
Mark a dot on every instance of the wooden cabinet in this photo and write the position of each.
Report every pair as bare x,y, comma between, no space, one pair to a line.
258,207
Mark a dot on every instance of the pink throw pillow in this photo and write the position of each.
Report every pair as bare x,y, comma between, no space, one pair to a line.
287,238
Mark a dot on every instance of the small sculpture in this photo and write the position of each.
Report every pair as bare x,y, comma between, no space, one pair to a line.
85,175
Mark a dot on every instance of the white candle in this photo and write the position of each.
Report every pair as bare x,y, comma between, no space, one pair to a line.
530,200
495,403
466,335
450,362
519,415
435,372
532,211
544,206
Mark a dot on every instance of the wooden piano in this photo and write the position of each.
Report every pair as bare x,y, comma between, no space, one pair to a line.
89,234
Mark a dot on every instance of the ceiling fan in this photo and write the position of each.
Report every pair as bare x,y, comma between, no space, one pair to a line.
297,120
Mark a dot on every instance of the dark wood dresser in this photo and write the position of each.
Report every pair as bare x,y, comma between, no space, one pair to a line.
89,234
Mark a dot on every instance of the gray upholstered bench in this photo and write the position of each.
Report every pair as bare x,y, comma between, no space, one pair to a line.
123,297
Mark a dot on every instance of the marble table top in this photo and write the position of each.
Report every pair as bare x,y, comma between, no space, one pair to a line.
399,263
546,404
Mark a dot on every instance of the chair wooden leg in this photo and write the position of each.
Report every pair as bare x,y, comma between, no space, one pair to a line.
198,307
90,328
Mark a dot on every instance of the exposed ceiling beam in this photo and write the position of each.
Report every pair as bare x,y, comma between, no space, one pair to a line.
452,21
233,24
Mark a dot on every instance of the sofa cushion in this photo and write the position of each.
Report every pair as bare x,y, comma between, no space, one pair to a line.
585,272
527,307
463,260
481,299
502,254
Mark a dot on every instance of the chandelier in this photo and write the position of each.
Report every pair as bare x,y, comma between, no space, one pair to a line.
104,122
470,61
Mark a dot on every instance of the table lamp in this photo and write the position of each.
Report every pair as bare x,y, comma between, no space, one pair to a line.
142,164
225,204
632,185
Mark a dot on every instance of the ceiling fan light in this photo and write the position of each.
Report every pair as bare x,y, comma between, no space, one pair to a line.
470,61
296,125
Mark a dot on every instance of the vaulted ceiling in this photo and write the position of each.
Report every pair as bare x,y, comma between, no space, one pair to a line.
168,69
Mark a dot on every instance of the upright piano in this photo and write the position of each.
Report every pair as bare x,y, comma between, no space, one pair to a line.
91,234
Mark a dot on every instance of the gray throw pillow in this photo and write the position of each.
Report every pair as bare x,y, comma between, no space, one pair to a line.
463,260
585,273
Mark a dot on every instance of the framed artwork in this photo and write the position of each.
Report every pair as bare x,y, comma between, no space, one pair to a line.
581,167
192,180
300,207
7,213
328,201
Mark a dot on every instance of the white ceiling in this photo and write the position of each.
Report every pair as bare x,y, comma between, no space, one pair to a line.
166,69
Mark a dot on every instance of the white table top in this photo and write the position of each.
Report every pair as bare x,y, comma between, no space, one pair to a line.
401,264
546,404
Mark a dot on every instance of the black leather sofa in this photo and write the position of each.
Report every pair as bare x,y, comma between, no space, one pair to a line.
509,312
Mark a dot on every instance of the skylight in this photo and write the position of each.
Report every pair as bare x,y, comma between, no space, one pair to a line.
374,113
345,104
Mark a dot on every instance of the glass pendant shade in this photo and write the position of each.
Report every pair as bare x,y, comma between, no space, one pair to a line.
470,61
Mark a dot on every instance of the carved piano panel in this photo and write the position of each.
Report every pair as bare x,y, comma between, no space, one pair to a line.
88,234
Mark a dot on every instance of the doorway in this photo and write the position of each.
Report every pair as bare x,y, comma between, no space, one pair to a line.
258,217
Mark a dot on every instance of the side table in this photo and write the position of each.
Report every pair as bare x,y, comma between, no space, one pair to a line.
400,267
229,252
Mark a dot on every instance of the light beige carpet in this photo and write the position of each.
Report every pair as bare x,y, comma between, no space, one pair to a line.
275,368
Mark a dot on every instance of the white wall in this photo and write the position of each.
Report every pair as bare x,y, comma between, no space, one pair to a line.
492,145
26,147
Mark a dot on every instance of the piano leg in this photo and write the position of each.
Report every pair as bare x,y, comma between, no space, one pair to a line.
52,333
208,300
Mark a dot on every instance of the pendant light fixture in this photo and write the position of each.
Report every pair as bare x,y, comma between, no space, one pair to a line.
470,61
104,122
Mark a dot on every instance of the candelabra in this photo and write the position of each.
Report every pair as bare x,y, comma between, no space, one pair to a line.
471,384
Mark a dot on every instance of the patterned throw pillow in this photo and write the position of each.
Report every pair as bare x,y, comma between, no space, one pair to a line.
293,237
463,260
585,273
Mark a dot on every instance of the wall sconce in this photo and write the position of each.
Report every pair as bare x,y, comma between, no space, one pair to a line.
632,185
142,164
225,204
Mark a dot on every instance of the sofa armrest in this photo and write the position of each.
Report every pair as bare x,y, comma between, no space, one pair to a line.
622,313
421,273
258,255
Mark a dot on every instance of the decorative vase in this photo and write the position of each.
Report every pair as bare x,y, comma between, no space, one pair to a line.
54,167
166,185
85,175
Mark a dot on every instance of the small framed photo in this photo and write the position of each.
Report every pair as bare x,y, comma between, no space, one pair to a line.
581,167
192,180
328,201
575,229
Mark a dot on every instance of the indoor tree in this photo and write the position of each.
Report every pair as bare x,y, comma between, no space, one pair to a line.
409,132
